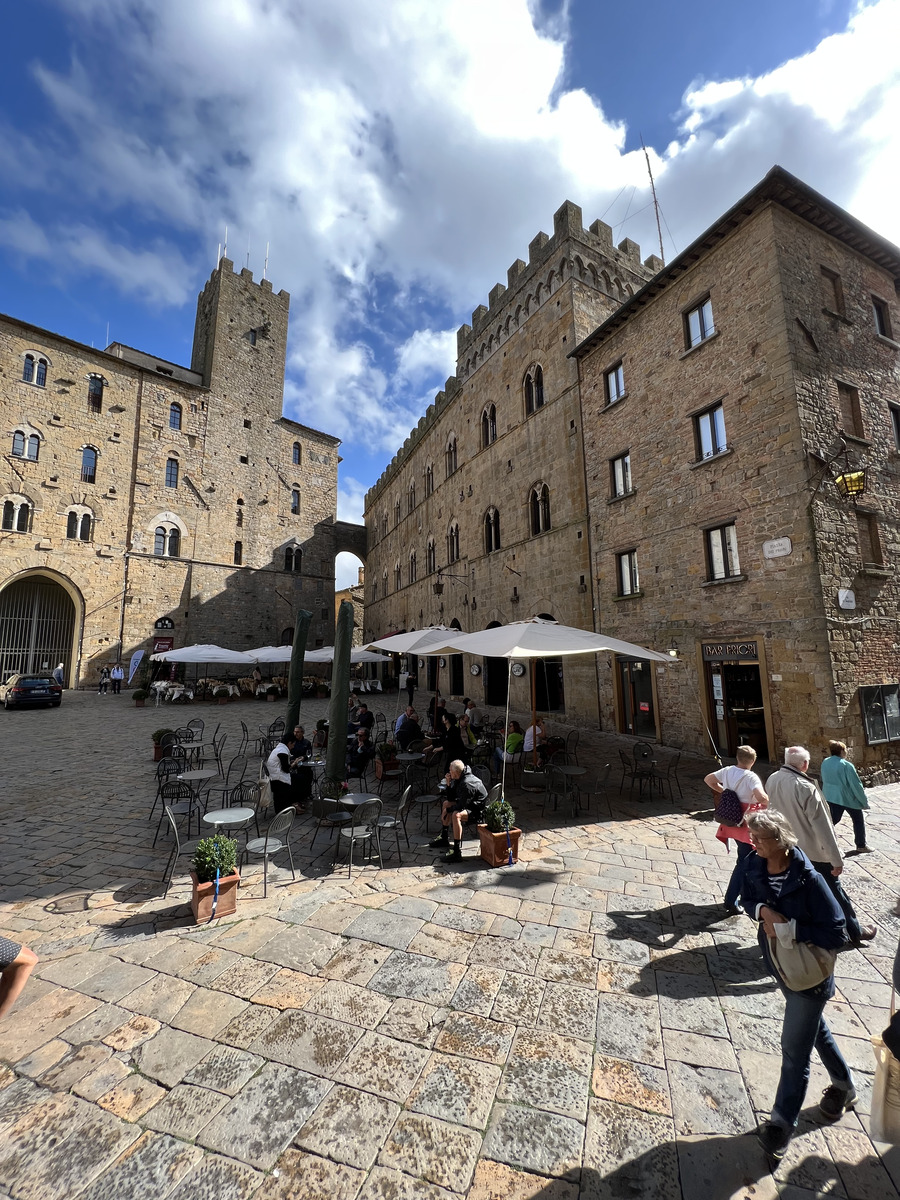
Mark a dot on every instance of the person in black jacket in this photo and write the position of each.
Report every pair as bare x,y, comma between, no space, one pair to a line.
464,797
451,742
793,903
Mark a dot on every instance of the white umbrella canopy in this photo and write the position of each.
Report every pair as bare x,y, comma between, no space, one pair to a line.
416,641
539,638
325,654
204,654
271,654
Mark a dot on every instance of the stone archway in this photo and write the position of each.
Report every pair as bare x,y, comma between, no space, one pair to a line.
41,615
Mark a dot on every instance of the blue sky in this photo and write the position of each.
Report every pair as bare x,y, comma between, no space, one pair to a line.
397,157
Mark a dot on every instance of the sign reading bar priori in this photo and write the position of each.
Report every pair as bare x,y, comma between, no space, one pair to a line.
729,651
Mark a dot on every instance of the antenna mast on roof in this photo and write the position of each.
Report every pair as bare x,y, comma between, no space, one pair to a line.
662,253
266,267
225,251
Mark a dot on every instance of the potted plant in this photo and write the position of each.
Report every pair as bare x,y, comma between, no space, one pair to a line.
221,694
214,856
157,735
498,835
385,759
139,697
271,693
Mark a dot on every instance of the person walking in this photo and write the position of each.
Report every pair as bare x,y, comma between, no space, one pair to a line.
103,681
794,794
794,906
747,784
116,676
844,792
412,682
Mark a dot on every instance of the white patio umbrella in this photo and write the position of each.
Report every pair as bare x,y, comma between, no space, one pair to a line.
416,641
538,638
204,654
271,654
325,654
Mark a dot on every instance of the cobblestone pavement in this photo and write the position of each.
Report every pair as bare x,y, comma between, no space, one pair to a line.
583,1024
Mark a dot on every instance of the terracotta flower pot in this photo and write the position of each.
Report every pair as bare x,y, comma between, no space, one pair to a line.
157,748
139,704
494,846
202,897
381,766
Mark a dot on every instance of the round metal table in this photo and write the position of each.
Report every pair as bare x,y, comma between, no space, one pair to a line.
229,816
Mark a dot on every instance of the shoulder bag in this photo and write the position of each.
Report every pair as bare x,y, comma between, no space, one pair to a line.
801,965
885,1121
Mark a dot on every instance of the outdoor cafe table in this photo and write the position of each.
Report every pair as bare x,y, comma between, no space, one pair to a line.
406,760
353,799
228,817
197,751
195,780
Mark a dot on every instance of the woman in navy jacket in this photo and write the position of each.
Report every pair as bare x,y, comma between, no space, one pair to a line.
791,901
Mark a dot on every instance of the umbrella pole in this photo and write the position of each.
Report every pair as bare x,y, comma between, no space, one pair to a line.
437,691
505,727
534,751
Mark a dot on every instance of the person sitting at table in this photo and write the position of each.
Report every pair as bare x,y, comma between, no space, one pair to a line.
410,731
515,739
535,735
364,719
278,764
450,741
464,799
476,718
470,741
361,754
403,718
299,745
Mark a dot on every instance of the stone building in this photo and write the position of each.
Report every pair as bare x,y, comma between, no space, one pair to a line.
724,407
355,595
147,504
691,468
481,516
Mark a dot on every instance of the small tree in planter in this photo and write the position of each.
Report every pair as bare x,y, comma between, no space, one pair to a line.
214,857
139,697
271,693
498,835
157,735
385,759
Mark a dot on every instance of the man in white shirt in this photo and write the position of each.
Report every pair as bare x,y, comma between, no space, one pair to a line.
116,676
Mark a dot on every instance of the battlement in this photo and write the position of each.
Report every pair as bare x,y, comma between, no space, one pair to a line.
225,268
596,243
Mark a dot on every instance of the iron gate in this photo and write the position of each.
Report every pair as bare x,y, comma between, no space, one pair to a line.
37,620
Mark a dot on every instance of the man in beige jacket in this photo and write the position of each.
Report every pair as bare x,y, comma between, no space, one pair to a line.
794,794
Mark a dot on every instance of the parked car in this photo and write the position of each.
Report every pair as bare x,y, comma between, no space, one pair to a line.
31,688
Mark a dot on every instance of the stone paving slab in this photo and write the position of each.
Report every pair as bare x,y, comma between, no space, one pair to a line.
542,1142
435,1150
349,1126
300,1039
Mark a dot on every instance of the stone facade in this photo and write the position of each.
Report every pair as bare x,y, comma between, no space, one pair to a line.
461,528
201,514
734,442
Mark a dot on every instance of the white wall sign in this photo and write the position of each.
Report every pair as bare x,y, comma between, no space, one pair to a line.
846,598
777,547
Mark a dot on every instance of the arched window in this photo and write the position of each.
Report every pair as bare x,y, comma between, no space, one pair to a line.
287,636
412,567
540,508
384,583
40,373
33,448
34,370
171,472
26,447
84,527
95,393
430,557
293,558
450,459
238,553
491,530
534,390
384,525
239,518
295,502
398,577
89,465
488,426
174,416
18,446
375,590
28,369
164,623
16,515
167,541
397,512
453,542
78,526
429,480
411,498
297,452
72,525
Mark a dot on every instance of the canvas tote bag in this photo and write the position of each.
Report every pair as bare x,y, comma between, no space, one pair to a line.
885,1121
801,965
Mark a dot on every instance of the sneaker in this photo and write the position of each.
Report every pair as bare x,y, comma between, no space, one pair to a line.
774,1139
835,1102
436,843
455,855
732,910
867,932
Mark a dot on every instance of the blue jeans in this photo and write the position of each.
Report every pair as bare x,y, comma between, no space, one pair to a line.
736,882
803,1030
854,930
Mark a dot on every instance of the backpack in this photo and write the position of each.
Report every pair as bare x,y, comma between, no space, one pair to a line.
729,810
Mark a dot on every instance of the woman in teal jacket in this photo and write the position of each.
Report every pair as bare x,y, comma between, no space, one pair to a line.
845,792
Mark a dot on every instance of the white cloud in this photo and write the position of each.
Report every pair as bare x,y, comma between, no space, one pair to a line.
381,151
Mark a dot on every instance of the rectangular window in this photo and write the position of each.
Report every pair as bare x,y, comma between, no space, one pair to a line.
620,473
882,316
615,384
698,323
172,473
709,429
881,712
627,572
851,414
238,553
869,541
834,291
722,553
895,424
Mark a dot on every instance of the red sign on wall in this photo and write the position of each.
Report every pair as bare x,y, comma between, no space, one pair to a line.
163,644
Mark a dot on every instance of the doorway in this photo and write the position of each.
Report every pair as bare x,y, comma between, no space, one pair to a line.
457,685
735,695
496,678
549,692
636,712
37,625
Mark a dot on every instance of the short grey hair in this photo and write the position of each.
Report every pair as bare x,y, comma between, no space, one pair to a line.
797,757
458,765
775,825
